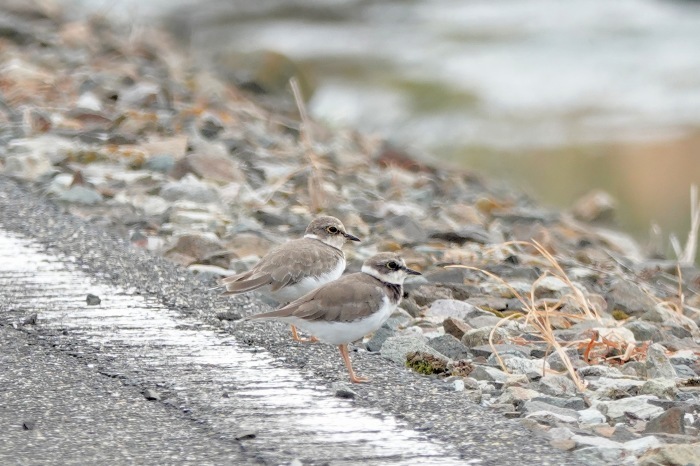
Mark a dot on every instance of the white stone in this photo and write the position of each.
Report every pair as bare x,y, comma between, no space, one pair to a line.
550,418
639,446
600,371
637,405
592,441
609,455
532,368
513,395
590,416
560,433
554,284
27,167
683,357
607,383
489,374
89,101
444,308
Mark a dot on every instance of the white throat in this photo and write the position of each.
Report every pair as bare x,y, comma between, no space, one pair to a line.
395,277
336,241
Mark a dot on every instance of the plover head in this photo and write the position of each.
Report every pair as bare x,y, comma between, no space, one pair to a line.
330,230
388,267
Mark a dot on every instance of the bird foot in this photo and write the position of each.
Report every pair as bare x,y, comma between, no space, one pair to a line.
356,379
296,337
306,340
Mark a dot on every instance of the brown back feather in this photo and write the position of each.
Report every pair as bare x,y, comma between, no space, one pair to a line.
335,301
285,265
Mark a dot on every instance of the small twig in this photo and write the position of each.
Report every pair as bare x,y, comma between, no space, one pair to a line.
691,245
315,184
681,296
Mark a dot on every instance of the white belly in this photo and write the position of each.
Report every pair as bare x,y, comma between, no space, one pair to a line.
306,285
337,333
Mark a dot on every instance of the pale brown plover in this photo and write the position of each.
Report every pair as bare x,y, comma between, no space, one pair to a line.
297,267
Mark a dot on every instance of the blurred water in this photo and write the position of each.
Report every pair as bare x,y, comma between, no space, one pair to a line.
561,96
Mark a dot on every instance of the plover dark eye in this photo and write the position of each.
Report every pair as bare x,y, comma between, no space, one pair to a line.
332,230
393,265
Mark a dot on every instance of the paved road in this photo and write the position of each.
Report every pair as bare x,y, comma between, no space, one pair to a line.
74,386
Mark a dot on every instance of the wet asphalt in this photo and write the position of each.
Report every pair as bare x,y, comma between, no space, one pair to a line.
159,378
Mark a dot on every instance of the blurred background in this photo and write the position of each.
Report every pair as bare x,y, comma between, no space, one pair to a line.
559,97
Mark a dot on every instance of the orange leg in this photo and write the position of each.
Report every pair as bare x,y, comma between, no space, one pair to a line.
296,337
346,357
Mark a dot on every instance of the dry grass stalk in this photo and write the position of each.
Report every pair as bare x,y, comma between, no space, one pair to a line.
686,255
681,295
540,312
539,319
315,182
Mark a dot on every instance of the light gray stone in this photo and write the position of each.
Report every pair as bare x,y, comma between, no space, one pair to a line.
606,387
644,331
483,321
480,336
629,297
591,416
470,383
535,406
454,308
81,195
405,229
513,395
556,363
532,368
597,442
637,405
375,343
489,374
600,371
663,388
658,364
551,284
199,218
556,385
572,402
551,419
398,318
29,167
641,445
516,380
662,314
687,357
672,454
635,369
191,189
502,349
450,347
560,433
609,455
684,372
161,163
